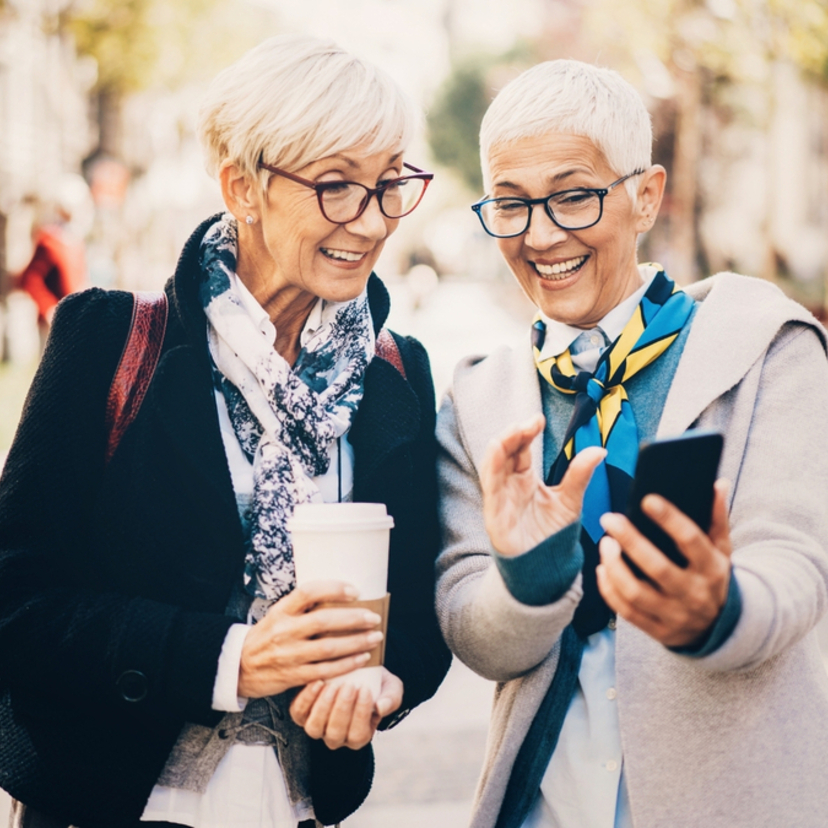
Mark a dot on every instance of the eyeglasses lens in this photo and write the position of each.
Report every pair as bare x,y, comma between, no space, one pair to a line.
402,196
343,203
571,209
575,208
505,217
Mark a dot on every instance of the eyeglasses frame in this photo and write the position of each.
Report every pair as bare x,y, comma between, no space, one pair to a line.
601,192
321,186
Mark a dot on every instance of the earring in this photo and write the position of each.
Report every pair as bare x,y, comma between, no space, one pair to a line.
250,219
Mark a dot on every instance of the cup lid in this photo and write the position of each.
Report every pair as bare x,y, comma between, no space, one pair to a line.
329,517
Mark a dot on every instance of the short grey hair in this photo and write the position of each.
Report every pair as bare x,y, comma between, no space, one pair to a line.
575,98
294,99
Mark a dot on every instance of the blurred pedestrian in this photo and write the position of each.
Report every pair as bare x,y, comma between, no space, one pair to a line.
159,665
697,697
58,264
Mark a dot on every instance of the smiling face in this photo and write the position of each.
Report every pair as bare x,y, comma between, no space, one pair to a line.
573,276
292,254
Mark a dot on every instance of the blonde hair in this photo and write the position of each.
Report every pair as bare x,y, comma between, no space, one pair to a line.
575,98
294,99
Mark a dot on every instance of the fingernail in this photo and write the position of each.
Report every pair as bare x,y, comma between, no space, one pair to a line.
347,692
372,618
653,504
351,592
383,706
363,657
608,520
375,637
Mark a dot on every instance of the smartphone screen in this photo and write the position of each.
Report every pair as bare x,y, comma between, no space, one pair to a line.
682,470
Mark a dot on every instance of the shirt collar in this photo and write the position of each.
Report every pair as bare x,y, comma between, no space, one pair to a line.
559,335
261,318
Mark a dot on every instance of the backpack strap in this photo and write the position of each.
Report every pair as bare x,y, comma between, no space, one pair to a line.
387,349
139,359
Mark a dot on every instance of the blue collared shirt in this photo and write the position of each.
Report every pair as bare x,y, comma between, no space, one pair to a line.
583,786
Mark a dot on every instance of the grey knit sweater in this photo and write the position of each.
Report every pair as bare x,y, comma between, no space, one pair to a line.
738,737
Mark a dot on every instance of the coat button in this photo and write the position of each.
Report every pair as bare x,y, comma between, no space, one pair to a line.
396,718
133,685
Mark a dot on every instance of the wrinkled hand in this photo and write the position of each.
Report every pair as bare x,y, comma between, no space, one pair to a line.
345,716
681,605
519,510
293,644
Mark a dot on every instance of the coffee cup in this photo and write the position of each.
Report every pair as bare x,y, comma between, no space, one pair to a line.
347,542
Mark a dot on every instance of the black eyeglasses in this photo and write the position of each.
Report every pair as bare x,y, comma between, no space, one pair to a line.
574,209
342,202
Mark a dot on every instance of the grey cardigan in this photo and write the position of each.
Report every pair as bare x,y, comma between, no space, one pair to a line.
738,737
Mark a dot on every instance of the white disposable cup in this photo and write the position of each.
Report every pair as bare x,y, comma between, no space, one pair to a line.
344,542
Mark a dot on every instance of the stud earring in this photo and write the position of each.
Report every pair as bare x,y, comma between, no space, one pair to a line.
250,219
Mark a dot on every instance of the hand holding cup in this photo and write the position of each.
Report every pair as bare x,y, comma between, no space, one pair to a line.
297,643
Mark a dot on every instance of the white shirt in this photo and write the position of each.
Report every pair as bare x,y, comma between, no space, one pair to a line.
583,786
247,789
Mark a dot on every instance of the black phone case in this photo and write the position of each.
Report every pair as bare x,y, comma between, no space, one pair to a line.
683,470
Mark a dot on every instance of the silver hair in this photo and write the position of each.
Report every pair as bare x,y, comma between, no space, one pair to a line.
294,99
575,98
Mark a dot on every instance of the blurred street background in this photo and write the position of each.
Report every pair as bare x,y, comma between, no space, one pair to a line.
98,100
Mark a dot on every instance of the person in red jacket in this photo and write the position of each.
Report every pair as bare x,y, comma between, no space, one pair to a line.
57,267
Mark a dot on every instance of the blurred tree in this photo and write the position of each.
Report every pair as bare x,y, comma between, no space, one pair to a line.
141,44
454,122
690,53
461,101
120,36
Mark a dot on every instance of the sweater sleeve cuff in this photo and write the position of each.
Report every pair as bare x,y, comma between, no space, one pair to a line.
543,574
722,627
225,690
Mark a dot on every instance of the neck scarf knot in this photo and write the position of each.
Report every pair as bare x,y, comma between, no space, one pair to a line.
285,418
603,416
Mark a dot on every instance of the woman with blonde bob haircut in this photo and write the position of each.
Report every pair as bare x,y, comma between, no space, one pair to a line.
161,667
634,688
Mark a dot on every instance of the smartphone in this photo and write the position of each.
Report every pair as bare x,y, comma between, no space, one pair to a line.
682,470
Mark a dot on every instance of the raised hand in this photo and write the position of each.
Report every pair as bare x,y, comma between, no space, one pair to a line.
519,510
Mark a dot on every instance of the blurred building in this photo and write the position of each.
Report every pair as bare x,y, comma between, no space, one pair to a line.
45,129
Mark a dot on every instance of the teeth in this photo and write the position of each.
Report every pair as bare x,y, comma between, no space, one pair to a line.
345,255
560,267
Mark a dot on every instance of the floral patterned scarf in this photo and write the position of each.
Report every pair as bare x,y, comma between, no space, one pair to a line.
285,418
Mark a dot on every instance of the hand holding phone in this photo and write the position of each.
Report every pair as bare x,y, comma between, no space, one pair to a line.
682,470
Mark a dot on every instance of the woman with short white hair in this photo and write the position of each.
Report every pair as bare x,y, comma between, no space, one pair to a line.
688,696
160,666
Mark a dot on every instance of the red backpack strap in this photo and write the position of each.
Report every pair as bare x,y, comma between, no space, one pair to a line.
139,359
386,348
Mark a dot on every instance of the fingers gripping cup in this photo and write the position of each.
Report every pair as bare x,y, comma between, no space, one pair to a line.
347,542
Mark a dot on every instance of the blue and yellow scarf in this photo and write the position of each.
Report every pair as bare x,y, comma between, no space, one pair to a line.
604,417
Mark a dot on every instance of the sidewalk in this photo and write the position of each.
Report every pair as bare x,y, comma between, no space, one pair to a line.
428,766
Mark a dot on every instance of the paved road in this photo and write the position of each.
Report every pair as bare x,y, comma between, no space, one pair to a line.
427,767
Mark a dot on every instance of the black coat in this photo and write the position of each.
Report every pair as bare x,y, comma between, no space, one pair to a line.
114,580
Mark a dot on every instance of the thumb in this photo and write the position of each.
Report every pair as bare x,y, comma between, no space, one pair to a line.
579,473
719,526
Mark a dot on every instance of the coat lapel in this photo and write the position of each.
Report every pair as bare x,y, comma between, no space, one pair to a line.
182,397
379,428
738,316
494,394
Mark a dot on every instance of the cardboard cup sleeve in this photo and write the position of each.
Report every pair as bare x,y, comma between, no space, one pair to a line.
380,607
